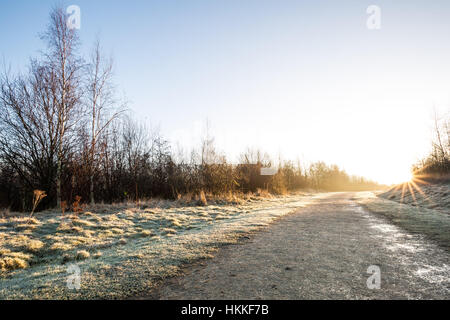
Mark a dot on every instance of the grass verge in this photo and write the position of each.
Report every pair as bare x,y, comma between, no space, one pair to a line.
431,223
122,252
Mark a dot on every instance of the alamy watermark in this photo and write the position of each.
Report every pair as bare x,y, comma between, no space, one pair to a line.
74,278
374,281
74,17
268,171
374,20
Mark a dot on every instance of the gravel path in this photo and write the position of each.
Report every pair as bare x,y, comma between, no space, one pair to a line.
322,251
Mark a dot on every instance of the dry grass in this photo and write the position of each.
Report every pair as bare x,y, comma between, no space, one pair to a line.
263,193
12,263
38,195
122,249
202,198
82,255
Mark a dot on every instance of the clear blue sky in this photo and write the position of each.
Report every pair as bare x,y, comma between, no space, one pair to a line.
301,78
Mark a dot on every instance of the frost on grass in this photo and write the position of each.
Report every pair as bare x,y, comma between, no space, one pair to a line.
122,251
429,222
434,196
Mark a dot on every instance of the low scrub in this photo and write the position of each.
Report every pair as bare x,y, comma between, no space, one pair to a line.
135,246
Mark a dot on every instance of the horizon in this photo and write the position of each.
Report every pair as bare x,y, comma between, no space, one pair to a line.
294,80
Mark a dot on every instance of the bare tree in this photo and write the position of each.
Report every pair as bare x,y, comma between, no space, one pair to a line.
440,145
135,143
28,122
255,156
66,66
100,93
208,150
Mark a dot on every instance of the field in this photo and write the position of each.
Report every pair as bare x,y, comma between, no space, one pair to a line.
123,251
126,251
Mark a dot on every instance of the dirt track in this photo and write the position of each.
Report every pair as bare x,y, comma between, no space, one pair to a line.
321,252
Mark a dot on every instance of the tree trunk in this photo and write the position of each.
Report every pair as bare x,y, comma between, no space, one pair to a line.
58,183
91,190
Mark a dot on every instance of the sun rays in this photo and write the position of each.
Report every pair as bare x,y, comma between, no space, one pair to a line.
412,189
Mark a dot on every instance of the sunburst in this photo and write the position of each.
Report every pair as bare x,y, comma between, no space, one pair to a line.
413,187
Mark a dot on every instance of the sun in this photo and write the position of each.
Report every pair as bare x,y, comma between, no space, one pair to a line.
396,176
405,176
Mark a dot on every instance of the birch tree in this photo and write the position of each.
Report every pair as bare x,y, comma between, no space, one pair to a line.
100,100
65,64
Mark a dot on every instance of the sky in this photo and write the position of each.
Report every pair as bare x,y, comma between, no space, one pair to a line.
305,80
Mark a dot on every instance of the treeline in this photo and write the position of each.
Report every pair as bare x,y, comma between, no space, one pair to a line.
64,131
437,164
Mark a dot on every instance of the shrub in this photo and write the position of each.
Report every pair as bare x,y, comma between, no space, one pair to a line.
76,206
34,245
82,255
38,195
202,198
12,263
